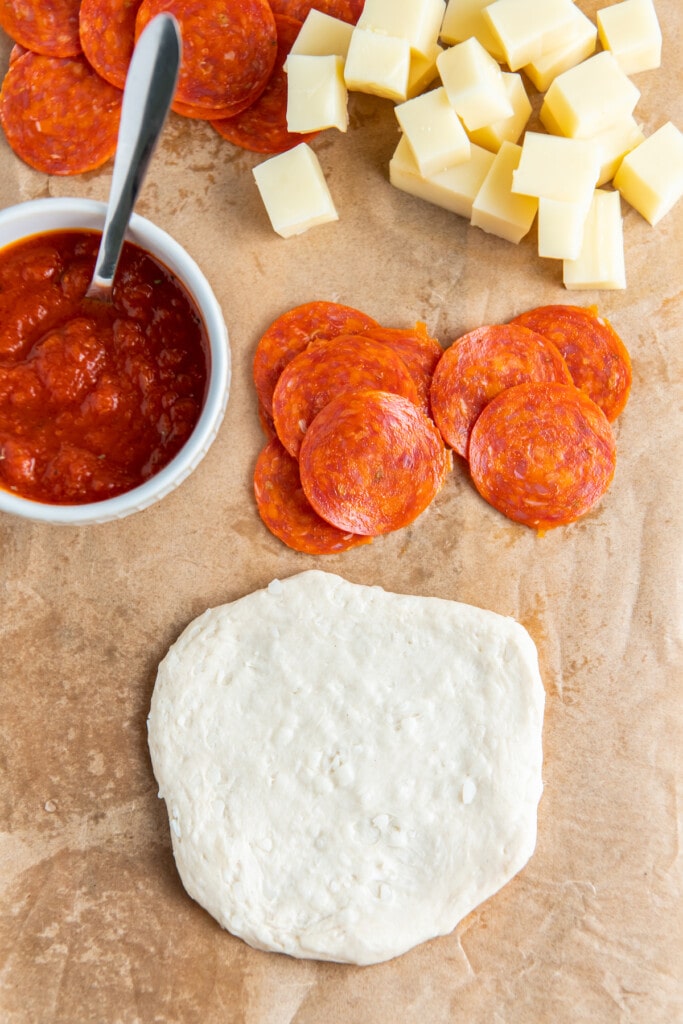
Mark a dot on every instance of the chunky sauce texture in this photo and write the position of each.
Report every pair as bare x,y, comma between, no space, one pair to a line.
95,398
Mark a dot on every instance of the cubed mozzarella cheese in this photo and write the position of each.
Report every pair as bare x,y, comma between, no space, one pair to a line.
423,70
316,93
463,19
496,208
613,145
418,21
557,168
600,264
650,177
474,83
560,228
590,97
508,129
526,29
294,191
630,31
378,64
322,35
578,45
434,131
453,189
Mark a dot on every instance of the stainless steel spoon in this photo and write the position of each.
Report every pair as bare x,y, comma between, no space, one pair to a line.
150,85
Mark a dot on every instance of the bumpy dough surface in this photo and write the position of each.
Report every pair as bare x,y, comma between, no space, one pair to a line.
348,772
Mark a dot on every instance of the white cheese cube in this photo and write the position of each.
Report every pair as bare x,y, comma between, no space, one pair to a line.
496,209
650,177
316,93
549,122
434,131
630,31
294,191
418,21
526,29
474,84
423,70
321,35
590,97
600,263
557,168
464,18
453,189
508,129
378,64
578,45
560,228
613,145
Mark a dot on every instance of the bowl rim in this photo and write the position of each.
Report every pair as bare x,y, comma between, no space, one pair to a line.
89,214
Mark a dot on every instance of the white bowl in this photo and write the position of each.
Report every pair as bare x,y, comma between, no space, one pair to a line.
41,215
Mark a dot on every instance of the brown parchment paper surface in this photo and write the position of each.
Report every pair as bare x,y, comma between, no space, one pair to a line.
95,925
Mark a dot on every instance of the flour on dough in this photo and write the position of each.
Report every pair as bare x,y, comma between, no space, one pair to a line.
348,772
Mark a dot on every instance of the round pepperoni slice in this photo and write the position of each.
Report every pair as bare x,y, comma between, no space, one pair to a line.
595,354
349,362
229,49
371,462
542,454
480,364
292,332
262,127
107,31
286,511
418,350
345,10
49,27
58,114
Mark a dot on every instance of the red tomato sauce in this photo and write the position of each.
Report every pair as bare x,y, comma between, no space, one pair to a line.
95,397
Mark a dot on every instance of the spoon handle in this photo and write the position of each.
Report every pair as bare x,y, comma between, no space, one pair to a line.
150,86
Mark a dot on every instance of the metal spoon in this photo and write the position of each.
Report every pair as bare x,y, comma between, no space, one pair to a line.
150,85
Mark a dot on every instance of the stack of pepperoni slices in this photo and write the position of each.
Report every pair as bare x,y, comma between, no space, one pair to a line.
60,102
362,420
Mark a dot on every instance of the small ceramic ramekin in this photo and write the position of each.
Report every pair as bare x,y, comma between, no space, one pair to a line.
43,215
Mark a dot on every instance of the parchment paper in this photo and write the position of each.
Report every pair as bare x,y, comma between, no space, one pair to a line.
95,925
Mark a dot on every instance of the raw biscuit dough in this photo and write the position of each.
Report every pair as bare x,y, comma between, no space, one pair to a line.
348,772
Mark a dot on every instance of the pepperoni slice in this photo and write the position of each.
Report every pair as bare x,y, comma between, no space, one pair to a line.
58,114
262,127
49,27
418,350
478,365
542,454
345,10
229,49
349,362
107,31
371,462
292,332
286,511
595,354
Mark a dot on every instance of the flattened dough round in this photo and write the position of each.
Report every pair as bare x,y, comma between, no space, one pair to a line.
348,772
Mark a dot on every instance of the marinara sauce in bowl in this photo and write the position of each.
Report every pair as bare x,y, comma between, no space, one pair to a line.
104,408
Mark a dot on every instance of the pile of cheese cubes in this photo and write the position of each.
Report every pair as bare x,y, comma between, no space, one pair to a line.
463,119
